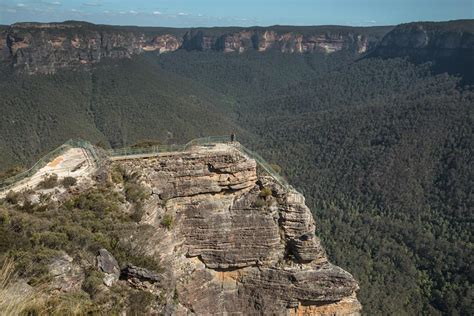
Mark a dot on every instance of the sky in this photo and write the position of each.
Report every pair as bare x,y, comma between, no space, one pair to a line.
193,13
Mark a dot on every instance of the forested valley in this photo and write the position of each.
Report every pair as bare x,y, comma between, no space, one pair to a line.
381,149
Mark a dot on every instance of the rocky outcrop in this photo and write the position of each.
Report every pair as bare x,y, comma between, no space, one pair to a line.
239,243
107,264
45,48
449,45
423,38
66,275
265,40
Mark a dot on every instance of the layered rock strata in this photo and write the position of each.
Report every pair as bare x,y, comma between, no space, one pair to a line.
238,243
45,48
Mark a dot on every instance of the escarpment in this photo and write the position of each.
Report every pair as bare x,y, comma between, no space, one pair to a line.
429,39
449,46
232,241
45,48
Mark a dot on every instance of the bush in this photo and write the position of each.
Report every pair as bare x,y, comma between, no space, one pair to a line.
97,201
117,174
265,192
139,302
138,213
135,192
146,143
49,182
92,282
52,240
259,203
69,182
167,221
12,197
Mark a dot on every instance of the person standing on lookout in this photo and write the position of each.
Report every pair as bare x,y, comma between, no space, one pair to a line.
232,137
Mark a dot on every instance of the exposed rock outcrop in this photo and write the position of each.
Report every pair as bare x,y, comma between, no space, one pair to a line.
449,45
109,266
45,48
441,39
233,247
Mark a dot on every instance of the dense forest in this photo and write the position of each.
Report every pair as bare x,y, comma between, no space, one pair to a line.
381,148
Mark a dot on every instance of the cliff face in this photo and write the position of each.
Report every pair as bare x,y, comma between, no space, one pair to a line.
264,40
239,243
449,46
444,39
45,48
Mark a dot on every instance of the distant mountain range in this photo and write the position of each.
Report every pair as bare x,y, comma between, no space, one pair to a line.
47,47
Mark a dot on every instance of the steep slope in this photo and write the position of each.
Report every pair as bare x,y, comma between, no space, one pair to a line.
114,104
197,231
45,48
450,45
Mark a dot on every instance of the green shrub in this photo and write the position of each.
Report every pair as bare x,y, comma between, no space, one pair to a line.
12,197
138,213
93,282
259,203
52,240
117,174
135,192
68,182
167,221
96,200
49,182
265,192
146,143
139,302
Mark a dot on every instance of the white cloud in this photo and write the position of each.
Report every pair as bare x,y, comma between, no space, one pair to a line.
157,13
183,14
21,5
92,4
133,12
371,22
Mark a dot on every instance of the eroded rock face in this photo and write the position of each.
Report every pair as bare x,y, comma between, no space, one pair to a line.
46,47
109,266
264,40
233,247
429,40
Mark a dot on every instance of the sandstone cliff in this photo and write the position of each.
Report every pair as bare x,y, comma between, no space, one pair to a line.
195,232
239,243
45,48
449,45
441,39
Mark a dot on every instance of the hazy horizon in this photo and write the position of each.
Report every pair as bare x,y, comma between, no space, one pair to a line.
245,13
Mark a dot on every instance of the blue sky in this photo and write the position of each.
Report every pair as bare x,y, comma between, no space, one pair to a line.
188,13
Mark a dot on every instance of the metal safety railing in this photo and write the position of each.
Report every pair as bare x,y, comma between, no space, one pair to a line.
131,151
43,161
99,156
266,167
